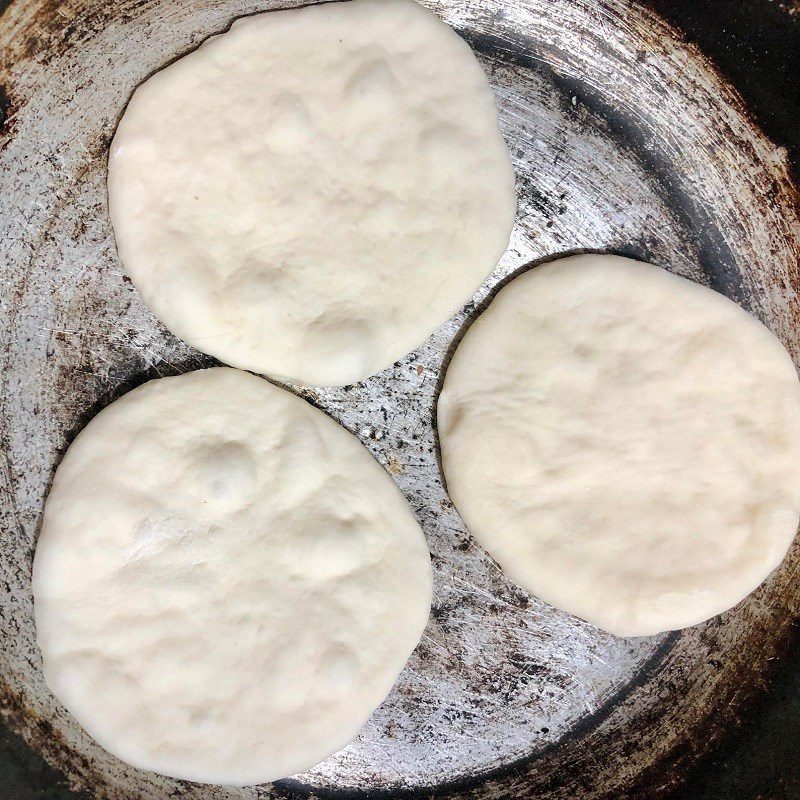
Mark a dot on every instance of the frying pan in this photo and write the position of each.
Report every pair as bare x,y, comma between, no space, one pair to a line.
625,140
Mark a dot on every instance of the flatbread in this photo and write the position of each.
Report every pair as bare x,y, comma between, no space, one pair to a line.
226,583
624,442
313,193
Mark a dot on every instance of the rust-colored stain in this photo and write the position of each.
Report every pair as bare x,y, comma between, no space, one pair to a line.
791,7
624,139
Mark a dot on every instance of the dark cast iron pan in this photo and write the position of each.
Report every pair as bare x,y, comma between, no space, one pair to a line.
626,139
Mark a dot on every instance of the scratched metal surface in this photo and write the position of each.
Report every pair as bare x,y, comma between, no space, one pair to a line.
624,139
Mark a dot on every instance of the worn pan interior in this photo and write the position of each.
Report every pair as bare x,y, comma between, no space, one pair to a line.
624,140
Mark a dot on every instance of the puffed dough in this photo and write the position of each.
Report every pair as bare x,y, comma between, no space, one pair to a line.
314,192
624,442
226,583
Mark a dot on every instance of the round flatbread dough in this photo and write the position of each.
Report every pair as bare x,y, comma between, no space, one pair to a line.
313,193
226,583
624,442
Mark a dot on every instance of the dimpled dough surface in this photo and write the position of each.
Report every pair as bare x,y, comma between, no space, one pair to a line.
624,442
226,583
312,193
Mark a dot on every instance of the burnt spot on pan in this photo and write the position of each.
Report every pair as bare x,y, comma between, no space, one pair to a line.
6,113
715,258
758,47
43,739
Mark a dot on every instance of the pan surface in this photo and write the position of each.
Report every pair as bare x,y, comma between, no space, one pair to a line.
625,140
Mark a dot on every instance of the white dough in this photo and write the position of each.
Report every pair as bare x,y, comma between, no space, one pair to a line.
226,583
624,442
314,192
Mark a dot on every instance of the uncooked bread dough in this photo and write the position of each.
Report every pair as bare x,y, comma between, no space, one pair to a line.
226,583
313,193
624,442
